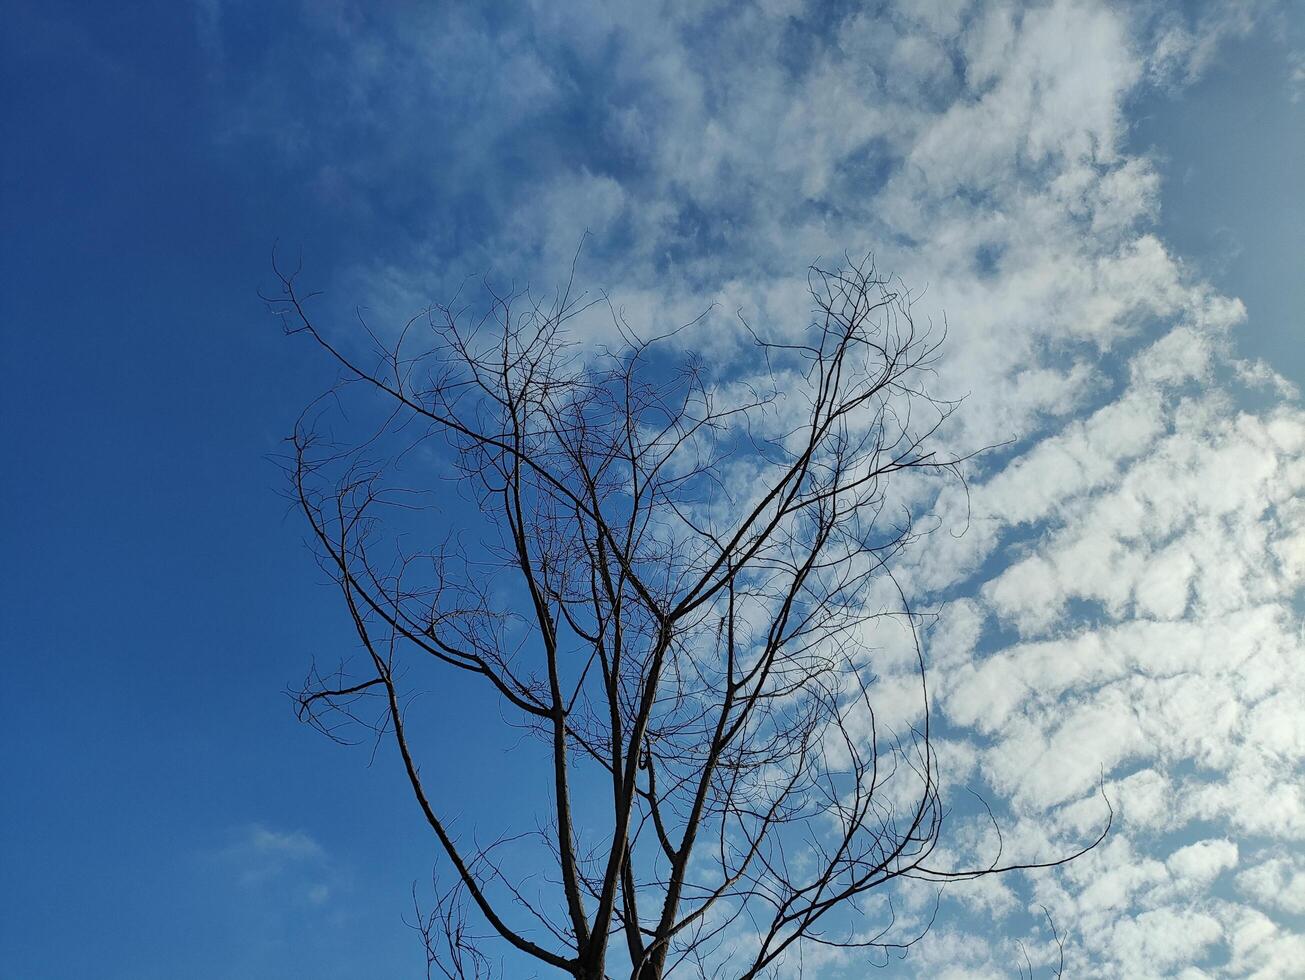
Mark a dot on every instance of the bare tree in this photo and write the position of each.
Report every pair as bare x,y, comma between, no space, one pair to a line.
676,587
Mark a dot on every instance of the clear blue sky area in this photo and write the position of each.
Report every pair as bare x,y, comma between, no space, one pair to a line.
158,597
164,814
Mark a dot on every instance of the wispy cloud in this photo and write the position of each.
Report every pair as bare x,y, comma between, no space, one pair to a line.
289,861
1296,77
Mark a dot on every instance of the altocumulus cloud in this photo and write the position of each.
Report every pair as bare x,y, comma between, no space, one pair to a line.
1127,595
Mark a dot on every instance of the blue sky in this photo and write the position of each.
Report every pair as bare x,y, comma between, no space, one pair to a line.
168,817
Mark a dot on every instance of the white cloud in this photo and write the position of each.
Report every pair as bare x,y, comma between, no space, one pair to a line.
280,865
291,845
1202,862
1277,883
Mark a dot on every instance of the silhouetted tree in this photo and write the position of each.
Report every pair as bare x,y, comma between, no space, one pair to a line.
700,558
